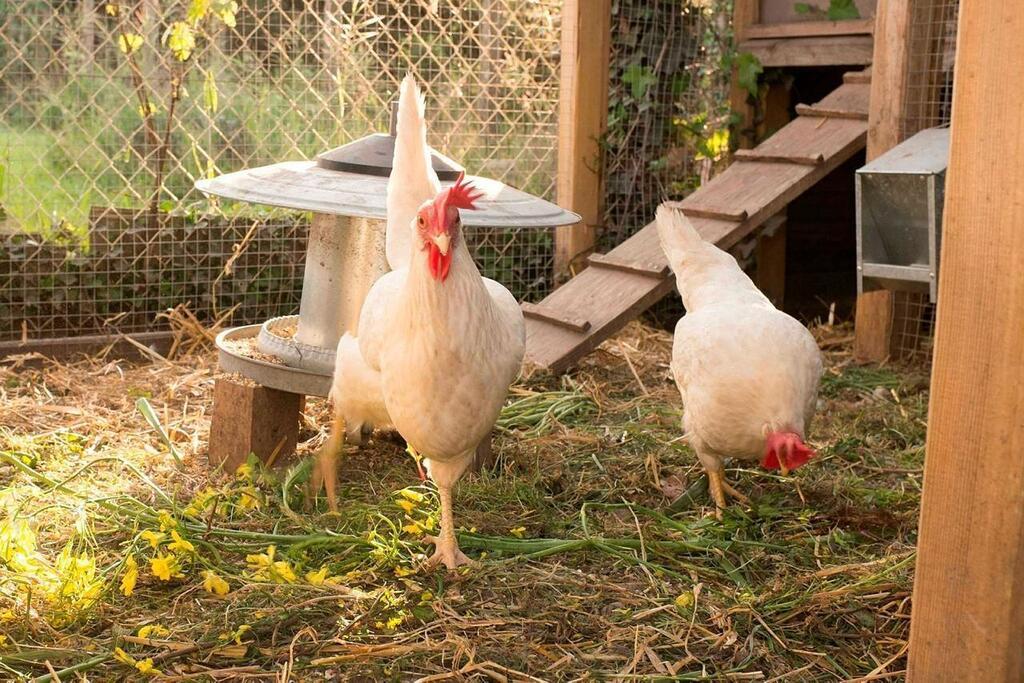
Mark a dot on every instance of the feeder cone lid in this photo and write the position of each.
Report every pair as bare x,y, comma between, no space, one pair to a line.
351,180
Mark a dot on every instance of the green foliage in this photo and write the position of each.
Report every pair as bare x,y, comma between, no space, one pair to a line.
838,10
748,68
639,79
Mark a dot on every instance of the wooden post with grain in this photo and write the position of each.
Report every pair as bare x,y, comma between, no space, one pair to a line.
582,118
968,613
874,318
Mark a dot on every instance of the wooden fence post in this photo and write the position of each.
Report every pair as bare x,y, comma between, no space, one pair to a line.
968,608
582,118
873,339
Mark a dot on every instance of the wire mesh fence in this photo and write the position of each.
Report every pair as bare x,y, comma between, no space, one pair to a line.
929,97
110,111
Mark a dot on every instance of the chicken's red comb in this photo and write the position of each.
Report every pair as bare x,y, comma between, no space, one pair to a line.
463,195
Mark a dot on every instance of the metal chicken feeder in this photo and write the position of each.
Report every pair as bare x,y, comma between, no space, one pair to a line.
899,215
345,188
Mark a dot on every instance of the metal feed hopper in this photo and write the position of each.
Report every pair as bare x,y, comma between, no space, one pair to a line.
899,215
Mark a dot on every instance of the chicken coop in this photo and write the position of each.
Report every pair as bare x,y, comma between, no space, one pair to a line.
158,514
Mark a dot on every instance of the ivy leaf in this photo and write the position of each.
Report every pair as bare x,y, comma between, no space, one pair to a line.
210,95
839,10
639,79
748,68
129,43
802,8
181,40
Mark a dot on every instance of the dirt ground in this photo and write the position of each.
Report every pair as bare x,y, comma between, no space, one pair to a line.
597,556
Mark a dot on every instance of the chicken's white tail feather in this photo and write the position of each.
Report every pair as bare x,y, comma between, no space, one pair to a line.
678,237
413,180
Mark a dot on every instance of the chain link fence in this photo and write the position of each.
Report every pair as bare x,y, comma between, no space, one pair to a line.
110,111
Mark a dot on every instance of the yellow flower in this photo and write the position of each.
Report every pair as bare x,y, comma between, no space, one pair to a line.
154,538
153,631
3,640
406,505
244,472
146,666
394,622
684,600
162,567
166,521
518,531
262,560
111,9
180,544
237,635
248,499
413,528
123,657
281,572
401,572
131,575
201,502
214,584
317,578
414,496
129,42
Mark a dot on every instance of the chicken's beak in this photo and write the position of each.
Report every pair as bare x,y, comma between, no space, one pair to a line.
443,241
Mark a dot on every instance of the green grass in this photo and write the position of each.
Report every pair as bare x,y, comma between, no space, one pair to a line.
597,554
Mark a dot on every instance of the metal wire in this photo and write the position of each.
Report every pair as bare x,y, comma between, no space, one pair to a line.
928,103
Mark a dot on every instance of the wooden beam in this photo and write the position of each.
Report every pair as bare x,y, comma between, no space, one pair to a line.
745,14
804,29
968,607
771,260
555,317
582,118
811,51
754,155
873,326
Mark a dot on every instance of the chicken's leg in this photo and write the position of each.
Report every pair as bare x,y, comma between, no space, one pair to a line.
447,546
719,487
325,469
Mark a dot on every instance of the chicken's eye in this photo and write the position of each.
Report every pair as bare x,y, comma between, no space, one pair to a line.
420,222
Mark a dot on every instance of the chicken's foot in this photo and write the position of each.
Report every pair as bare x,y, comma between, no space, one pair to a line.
325,469
446,544
719,487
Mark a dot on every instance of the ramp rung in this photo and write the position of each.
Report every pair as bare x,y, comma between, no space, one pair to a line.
717,214
549,315
613,263
754,155
808,110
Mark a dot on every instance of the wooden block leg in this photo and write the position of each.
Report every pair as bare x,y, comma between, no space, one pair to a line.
249,418
873,326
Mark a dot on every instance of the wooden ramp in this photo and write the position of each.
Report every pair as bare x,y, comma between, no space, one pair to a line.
619,285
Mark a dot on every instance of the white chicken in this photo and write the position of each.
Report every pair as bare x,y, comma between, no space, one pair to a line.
356,393
446,341
748,373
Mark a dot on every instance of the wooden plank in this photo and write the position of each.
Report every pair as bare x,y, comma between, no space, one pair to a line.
89,345
554,316
823,112
863,76
771,260
745,13
609,298
809,136
615,263
873,324
804,29
582,117
248,418
851,97
968,608
698,211
816,51
756,155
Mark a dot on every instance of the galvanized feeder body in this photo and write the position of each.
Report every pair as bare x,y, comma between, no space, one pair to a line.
899,215
346,190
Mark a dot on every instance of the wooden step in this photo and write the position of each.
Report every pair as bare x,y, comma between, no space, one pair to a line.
857,77
757,155
555,317
808,110
615,263
692,211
